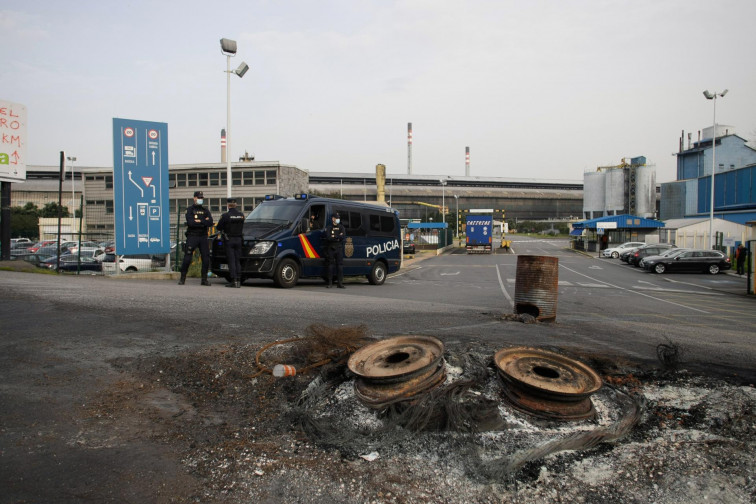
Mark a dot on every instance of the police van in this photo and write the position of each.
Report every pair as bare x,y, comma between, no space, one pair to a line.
284,240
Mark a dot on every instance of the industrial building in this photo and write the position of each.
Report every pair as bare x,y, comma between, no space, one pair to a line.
421,197
734,182
626,188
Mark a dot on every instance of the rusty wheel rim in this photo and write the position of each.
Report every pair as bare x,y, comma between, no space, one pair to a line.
547,384
396,359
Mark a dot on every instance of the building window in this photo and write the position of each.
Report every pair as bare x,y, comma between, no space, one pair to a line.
260,177
108,206
181,180
202,179
214,204
108,181
236,177
248,204
214,178
247,177
223,179
191,179
270,175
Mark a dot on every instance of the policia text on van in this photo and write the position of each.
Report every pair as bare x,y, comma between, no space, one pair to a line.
283,240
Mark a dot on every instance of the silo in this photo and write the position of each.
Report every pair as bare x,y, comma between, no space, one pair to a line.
645,191
614,184
593,194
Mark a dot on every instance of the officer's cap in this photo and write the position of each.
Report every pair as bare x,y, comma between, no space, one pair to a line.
198,194
231,200
336,216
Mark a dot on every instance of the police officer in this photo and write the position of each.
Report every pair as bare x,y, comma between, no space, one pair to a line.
334,238
198,221
231,224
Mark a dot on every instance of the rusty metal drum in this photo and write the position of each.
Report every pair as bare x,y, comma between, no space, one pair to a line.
536,287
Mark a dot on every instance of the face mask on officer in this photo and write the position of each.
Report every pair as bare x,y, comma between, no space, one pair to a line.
200,201
337,221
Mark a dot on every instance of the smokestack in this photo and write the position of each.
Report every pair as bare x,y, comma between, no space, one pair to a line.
380,183
409,148
690,135
682,141
223,145
467,161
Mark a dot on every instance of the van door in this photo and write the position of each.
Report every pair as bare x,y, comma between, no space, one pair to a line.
311,239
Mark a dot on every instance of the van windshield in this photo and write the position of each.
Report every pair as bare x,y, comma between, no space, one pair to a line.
275,212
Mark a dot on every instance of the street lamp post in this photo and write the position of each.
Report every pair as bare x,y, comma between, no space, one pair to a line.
713,96
72,159
456,231
228,48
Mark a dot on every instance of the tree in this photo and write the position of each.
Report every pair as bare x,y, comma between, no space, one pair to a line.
51,210
25,221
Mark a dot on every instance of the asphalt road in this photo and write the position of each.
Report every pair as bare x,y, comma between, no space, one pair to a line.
63,339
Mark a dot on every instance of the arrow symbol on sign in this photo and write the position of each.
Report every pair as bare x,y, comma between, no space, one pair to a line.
137,185
153,158
131,213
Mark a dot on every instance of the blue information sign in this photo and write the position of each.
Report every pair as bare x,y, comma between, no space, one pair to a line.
140,187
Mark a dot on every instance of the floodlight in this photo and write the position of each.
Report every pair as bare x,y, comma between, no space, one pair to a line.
228,46
242,69
708,95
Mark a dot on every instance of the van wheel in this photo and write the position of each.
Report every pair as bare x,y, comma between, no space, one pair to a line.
378,274
130,269
287,274
713,269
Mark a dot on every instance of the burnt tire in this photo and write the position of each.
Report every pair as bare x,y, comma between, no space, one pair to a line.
660,268
286,274
713,269
378,274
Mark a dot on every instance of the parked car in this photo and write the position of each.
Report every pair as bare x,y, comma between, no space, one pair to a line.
647,250
614,252
42,243
128,263
35,259
691,260
15,241
85,245
667,253
72,263
408,248
625,256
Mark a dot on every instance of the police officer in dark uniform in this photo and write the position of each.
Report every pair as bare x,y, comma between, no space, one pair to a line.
231,224
198,221
334,238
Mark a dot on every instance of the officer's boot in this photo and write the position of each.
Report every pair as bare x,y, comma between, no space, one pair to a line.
205,282
237,284
182,280
340,282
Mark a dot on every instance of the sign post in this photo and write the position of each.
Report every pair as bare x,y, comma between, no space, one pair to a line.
140,187
12,163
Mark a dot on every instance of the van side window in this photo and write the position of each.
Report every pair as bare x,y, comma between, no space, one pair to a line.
352,222
375,223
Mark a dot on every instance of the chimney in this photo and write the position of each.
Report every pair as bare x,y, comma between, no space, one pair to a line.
467,161
223,145
682,142
380,183
690,135
409,148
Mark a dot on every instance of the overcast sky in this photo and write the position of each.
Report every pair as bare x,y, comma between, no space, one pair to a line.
536,89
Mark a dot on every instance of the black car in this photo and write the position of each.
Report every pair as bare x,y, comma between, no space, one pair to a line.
647,250
409,248
625,256
707,261
73,263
